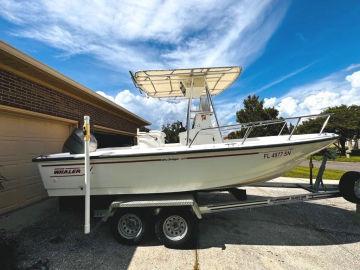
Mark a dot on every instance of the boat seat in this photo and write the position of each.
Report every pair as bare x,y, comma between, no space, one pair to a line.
151,139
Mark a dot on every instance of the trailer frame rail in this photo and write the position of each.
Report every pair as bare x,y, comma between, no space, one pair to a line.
189,200
281,200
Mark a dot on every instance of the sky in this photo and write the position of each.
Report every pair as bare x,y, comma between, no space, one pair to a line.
298,56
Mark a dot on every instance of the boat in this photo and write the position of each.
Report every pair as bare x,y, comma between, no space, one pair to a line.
205,157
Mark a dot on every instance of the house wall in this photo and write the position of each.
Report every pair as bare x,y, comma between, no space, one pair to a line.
35,120
25,94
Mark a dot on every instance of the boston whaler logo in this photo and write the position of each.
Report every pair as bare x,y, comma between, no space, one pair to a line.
67,171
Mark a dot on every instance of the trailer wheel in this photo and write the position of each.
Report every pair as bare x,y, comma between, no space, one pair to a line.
129,226
175,228
349,186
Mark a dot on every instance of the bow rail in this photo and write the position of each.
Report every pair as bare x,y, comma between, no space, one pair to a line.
249,127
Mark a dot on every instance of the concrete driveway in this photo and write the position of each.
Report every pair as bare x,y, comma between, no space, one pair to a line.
314,235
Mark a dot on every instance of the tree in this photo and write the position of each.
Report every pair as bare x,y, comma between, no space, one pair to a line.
254,111
345,121
172,131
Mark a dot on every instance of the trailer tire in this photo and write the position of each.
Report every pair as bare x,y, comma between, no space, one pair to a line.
349,186
176,228
129,226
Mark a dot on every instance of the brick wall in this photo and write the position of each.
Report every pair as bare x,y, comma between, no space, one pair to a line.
21,93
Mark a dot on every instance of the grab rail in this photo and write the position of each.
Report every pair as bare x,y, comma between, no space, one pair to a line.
251,125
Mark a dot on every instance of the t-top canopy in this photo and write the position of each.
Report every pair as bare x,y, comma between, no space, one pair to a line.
177,82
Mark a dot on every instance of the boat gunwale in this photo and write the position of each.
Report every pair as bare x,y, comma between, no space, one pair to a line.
208,150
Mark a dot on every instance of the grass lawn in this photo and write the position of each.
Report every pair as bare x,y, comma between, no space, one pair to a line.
304,172
341,158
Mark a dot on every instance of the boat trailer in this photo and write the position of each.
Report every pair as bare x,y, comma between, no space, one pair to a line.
189,200
175,215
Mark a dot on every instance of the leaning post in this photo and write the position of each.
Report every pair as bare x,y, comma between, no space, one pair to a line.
86,129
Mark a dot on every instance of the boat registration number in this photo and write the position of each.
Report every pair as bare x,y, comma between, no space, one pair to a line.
277,154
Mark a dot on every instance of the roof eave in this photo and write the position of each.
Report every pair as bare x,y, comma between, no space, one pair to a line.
17,57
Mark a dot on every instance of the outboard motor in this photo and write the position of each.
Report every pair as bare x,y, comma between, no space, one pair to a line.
75,143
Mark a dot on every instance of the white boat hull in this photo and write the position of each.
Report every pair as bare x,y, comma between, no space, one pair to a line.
179,171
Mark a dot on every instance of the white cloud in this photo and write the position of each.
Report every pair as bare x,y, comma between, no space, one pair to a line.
150,34
165,111
158,112
269,102
352,67
287,106
283,78
227,109
336,89
354,79
134,35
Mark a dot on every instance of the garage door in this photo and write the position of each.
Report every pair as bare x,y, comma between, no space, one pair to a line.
22,138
